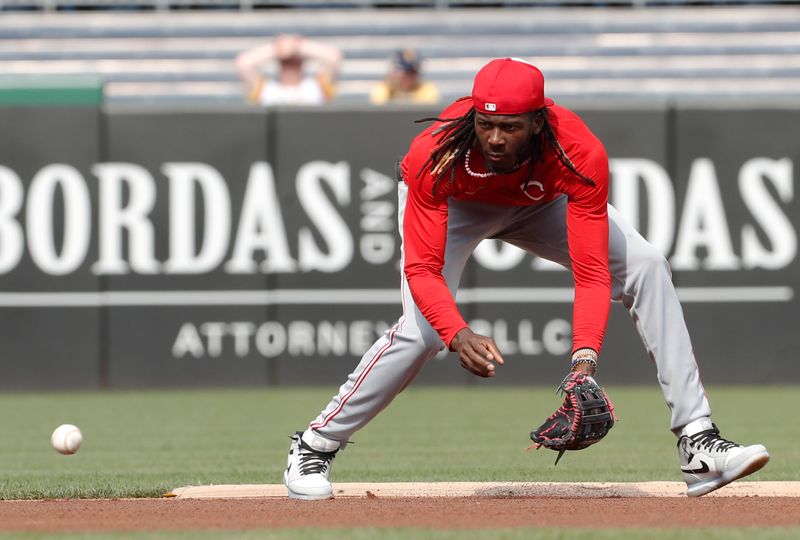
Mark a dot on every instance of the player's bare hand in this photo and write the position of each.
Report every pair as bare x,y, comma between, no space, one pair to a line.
478,354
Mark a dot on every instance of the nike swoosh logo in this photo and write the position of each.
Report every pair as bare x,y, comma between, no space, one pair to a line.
703,469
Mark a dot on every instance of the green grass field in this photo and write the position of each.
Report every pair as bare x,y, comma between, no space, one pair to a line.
142,444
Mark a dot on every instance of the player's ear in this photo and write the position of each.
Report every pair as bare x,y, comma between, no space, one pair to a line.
537,122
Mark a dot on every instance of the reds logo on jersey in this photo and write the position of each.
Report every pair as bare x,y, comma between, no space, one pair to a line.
533,189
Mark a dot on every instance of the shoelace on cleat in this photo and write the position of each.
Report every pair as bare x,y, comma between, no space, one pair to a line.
711,439
313,461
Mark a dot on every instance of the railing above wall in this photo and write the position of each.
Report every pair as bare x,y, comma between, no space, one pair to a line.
245,5
181,56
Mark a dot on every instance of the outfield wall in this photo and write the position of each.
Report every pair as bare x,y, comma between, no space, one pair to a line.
240,247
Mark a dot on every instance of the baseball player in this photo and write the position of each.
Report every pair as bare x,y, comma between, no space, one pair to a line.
510,164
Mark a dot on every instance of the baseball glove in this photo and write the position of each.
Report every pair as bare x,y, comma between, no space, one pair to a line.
583,419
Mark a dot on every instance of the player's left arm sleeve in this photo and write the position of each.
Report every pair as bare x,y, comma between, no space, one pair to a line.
587,234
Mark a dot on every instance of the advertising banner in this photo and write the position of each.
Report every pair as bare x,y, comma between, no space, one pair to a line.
246,247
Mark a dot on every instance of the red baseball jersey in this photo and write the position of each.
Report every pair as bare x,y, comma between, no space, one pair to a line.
425,220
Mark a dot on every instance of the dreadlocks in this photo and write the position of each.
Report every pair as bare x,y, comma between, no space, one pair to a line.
457,137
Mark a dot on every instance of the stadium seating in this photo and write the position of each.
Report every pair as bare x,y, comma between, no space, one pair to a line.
175,56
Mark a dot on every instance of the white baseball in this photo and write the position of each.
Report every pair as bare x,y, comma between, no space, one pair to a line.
66,439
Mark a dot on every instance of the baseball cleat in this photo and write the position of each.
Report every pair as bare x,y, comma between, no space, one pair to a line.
709,462
309,466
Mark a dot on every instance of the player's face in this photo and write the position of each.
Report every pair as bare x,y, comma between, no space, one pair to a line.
505,139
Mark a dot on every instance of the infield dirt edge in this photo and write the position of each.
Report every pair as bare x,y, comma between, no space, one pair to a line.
494,489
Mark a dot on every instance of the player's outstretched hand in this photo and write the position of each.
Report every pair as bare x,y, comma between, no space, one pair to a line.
478,354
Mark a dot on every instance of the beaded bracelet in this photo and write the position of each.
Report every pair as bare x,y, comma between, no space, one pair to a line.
584,360
584,356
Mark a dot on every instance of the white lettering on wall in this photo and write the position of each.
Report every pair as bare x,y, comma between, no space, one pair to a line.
378,222
781,236
555,336
300,338
12,240
77,224
205,231
261,227
115,217
271,339
188,342
703,224
184,257
328,221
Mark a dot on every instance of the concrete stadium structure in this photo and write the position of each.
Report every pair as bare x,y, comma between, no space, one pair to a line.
710,53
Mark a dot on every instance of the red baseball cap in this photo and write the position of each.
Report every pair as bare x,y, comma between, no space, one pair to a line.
509,86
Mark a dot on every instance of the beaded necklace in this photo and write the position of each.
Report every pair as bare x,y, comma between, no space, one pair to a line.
489,173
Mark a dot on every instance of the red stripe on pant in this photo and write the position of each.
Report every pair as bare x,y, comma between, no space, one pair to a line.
397,328
358,382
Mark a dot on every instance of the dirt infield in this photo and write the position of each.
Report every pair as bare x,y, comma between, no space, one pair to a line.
81,515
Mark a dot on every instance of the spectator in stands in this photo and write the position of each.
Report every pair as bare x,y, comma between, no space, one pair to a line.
293,83
404,82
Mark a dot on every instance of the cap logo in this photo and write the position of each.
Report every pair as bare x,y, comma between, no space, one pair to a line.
509,87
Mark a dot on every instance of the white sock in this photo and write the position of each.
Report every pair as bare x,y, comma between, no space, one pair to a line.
319,443
696,426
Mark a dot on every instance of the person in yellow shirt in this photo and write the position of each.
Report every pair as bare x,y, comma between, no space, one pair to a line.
404,82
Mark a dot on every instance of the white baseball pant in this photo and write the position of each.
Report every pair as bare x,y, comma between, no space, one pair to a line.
641,280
